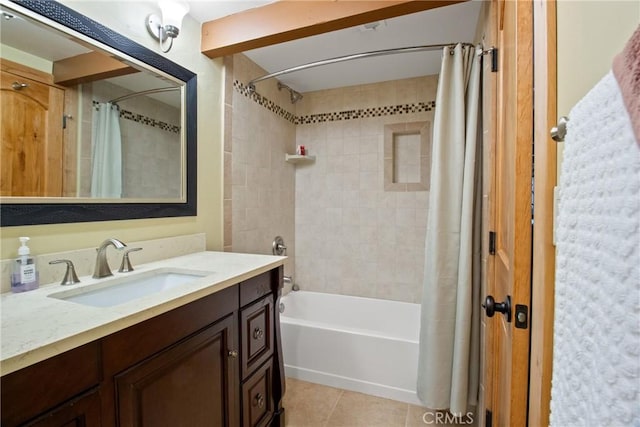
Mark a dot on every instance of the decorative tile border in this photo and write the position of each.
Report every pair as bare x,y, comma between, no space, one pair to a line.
139,118
362,113
265,102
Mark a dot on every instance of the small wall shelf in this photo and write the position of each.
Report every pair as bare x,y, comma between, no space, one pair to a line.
296,158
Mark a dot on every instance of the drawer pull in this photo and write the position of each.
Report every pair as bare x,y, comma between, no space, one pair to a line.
258,333
233,353
258,401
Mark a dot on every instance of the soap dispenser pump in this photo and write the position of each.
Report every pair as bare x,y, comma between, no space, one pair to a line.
24,276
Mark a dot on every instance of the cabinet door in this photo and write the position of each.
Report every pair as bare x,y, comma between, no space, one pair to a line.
190,384
83,411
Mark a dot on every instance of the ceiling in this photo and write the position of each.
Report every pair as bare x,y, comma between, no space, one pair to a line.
455,23
442,25
27,36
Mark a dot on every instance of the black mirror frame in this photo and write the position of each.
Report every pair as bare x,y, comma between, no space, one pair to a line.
14,214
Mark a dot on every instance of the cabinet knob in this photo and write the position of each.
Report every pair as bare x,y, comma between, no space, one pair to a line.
258,333
258,401
233,353
19,86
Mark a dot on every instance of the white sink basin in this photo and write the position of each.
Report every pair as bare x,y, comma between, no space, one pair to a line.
120,290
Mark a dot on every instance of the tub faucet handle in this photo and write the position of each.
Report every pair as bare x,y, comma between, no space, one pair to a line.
278,246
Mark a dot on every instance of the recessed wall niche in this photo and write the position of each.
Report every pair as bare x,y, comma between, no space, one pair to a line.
407,156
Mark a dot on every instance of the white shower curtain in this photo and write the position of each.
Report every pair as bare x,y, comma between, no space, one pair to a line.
106,165
449,332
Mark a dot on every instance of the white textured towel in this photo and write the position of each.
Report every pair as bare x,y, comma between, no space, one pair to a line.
596,356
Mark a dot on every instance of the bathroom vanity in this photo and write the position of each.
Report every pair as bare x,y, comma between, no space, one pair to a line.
204,354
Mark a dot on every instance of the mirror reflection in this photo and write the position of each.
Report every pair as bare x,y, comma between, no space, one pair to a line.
78,122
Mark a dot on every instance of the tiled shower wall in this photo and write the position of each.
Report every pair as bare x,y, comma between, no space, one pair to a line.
348,234
260,203
352,236
151,144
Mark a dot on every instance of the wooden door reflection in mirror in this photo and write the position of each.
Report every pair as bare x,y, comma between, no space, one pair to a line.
32,134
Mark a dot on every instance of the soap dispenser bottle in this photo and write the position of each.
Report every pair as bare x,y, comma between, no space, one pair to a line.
24,276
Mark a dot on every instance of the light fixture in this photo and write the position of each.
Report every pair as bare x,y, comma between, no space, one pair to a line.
372,26
169,27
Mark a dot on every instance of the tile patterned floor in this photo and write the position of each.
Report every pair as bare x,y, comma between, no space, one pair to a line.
314,405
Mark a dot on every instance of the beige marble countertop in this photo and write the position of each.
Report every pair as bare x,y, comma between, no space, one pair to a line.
35,326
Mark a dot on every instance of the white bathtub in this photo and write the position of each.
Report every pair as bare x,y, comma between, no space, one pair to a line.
359,344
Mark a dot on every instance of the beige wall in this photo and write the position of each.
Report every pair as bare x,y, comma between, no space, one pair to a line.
590,34
352,236
262,193
15,55
128,18
344,233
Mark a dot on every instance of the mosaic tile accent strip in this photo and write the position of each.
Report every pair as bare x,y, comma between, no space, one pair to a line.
139,118
264,101
362,113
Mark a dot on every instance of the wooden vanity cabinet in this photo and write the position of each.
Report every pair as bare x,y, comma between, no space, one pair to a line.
189,384
257,348
48,387
174,364
180,368
81,411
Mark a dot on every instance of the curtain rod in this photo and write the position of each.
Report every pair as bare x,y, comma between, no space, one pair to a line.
144,92
374,53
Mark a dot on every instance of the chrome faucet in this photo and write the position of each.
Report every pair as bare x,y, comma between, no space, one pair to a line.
102,265
289,281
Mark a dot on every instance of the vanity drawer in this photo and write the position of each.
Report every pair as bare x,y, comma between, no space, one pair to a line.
256,334
257,400
255,288
135,343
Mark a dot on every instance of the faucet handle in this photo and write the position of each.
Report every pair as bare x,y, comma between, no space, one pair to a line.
125,265
70,276
278,246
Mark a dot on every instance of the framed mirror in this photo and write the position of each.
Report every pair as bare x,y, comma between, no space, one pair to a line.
95,127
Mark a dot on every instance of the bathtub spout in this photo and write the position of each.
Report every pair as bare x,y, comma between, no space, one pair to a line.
289,281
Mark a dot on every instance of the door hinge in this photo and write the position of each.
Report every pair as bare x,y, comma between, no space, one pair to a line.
66,117
492,243
488,418
494,58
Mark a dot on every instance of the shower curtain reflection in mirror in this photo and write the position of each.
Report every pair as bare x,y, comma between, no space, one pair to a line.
106,142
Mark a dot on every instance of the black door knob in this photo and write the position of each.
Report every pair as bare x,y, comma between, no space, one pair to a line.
491,307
